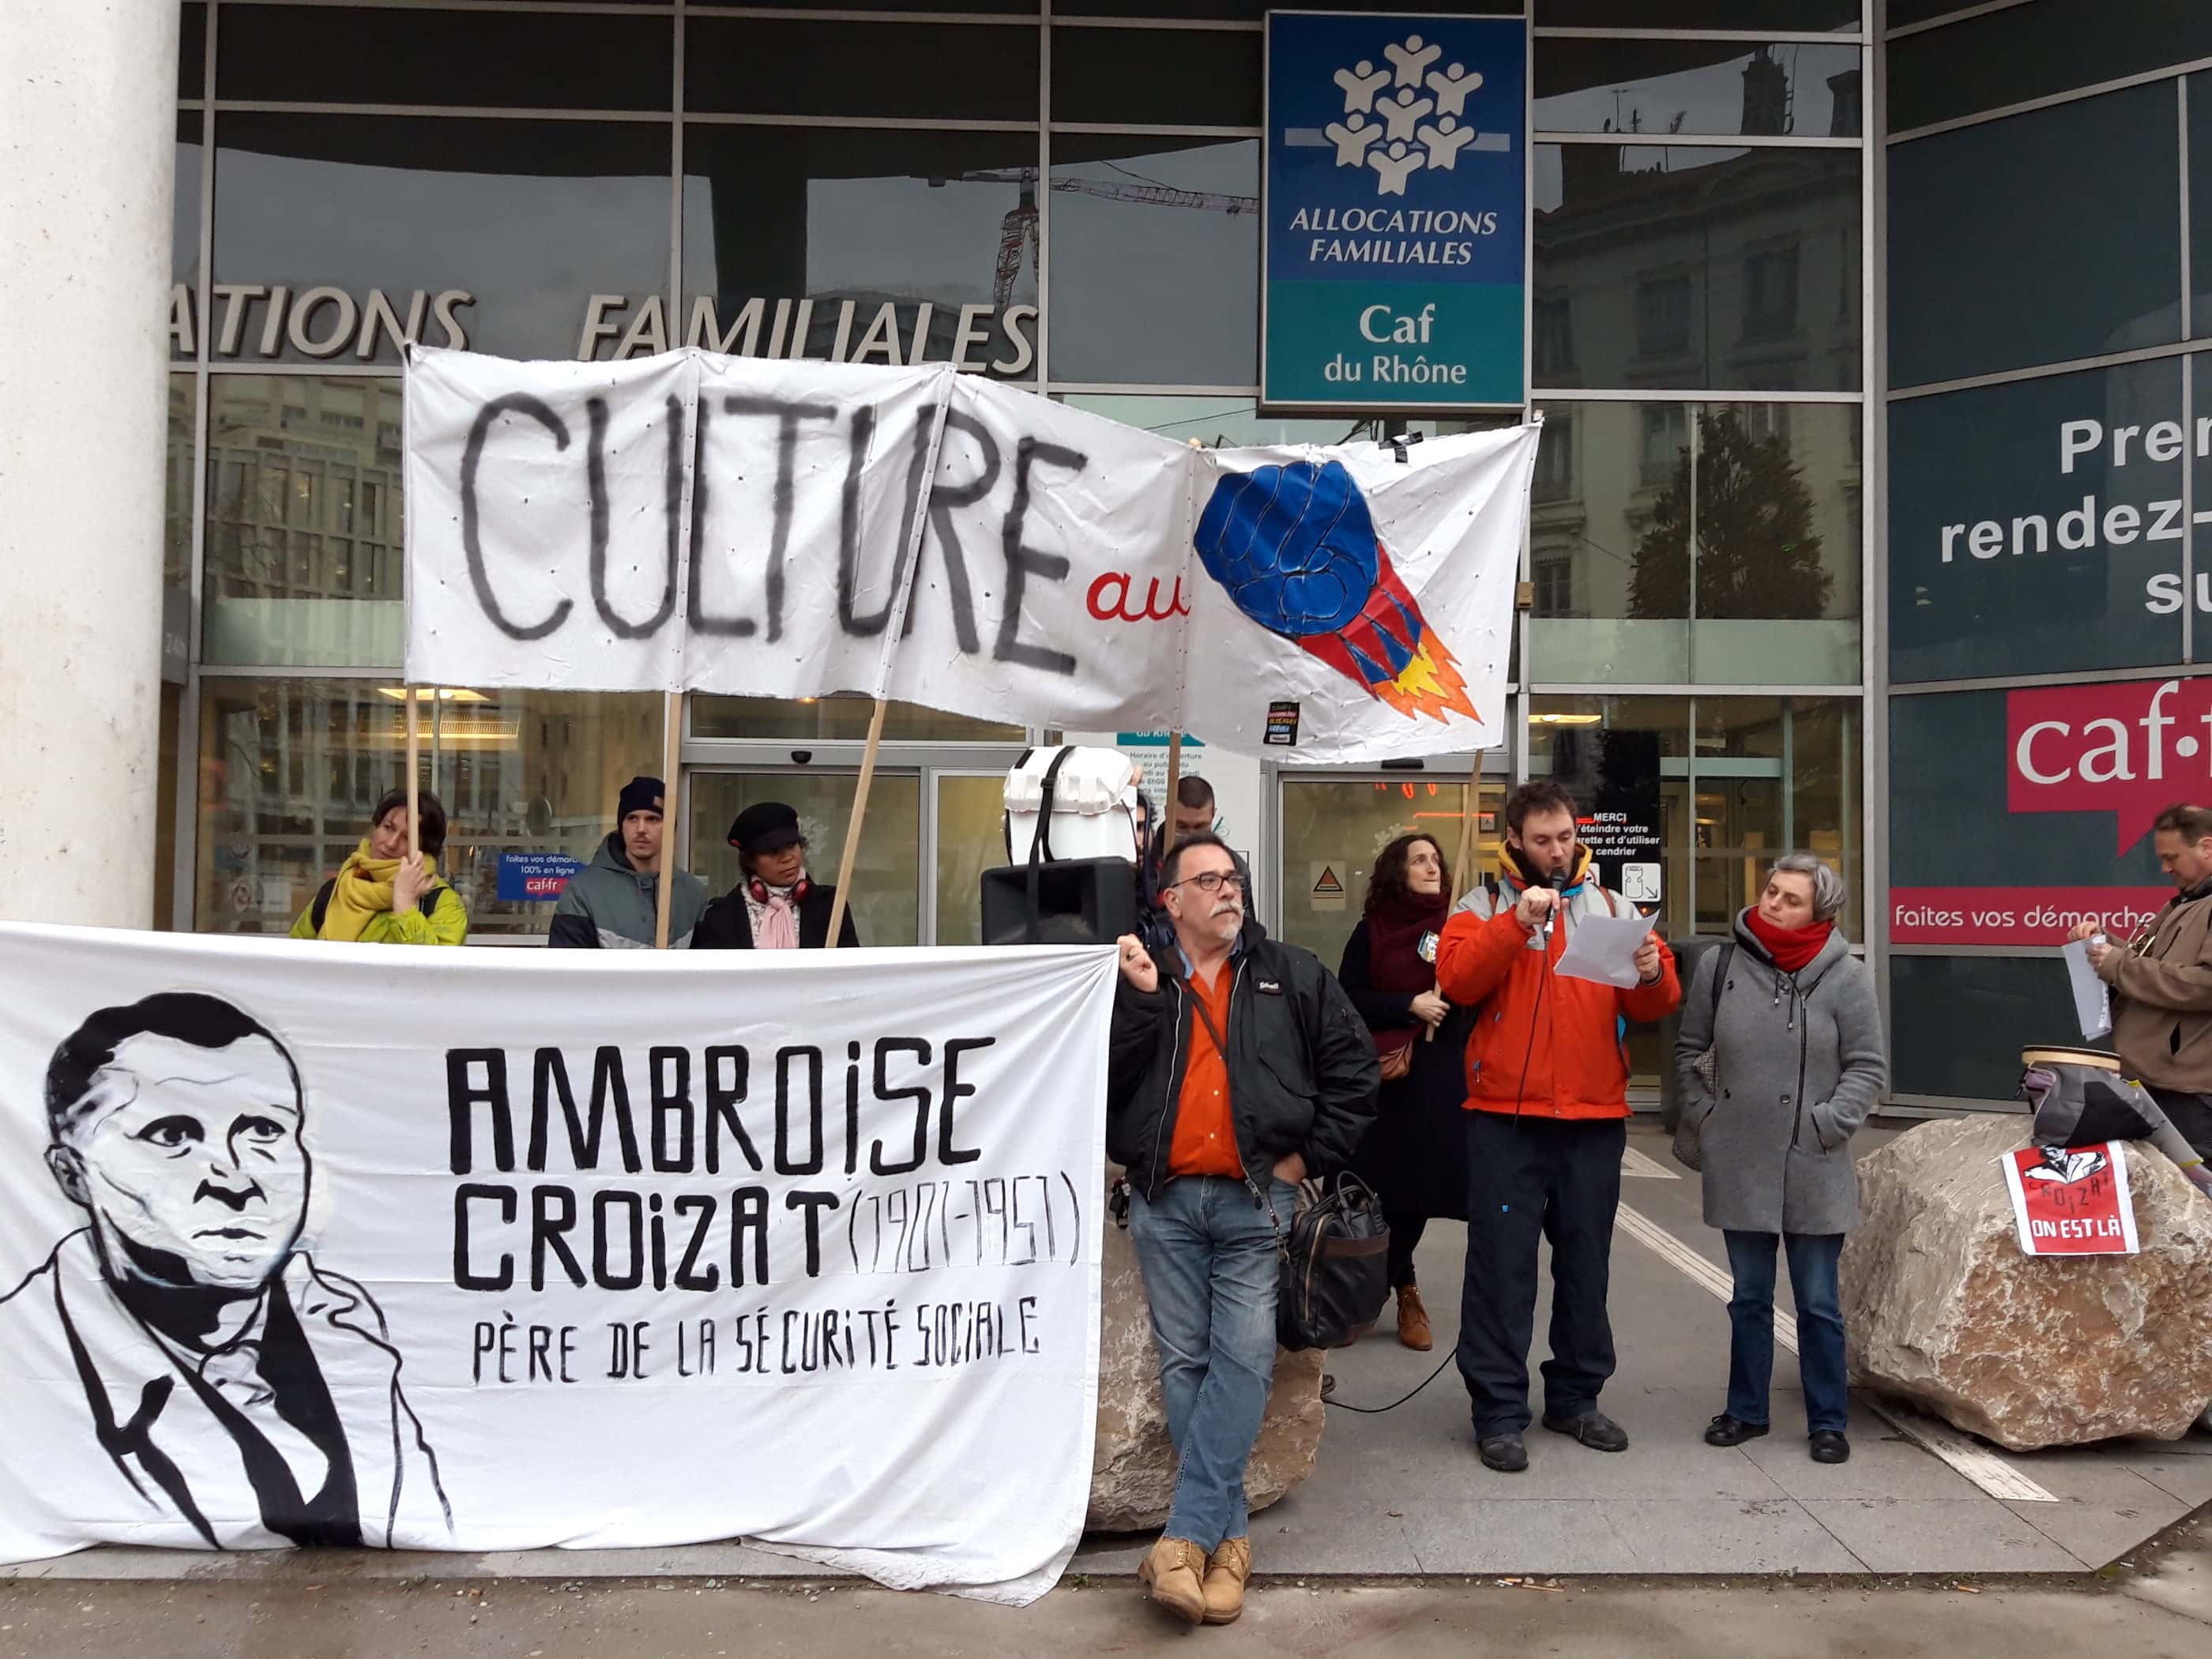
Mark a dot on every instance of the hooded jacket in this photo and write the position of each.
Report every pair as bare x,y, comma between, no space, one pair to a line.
1543,1045
1301,1071
609,905
1797,1065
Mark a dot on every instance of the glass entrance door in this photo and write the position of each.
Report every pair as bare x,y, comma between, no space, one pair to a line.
1334,826
886,889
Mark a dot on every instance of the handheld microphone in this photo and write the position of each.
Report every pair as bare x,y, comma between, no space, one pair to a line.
1558,882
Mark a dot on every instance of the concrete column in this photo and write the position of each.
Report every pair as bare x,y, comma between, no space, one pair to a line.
88,134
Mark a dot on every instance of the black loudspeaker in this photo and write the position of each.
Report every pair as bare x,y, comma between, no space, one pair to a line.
1073,902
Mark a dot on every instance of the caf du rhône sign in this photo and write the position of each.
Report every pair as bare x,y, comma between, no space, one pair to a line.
2130,749
1394,196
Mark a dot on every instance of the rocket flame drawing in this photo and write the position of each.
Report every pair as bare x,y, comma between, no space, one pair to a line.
1295,549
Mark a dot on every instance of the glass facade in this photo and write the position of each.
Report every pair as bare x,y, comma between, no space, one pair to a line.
1068,204
2046,458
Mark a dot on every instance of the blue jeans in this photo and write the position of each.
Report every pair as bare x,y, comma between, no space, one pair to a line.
1207,1249
1813,1258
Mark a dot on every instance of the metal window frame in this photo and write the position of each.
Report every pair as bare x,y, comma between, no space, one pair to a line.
2052,101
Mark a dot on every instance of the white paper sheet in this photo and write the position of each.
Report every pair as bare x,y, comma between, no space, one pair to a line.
1603,949
2093,998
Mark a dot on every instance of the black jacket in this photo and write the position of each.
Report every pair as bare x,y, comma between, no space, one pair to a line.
1301,1071
727,925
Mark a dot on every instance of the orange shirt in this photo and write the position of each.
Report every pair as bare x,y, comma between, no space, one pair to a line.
1204,1142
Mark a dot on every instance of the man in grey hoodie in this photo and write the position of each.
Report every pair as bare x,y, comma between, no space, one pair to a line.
612,902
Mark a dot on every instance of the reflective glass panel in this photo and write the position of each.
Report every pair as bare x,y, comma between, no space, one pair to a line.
941,227
1704,266
790,66
1333,829
1179,77
1717,543
1156,259
2024,52
1803,16
970,841
2036,239
337,235
1659,87
539,59
2036,527
305,556
290,770
1958,1023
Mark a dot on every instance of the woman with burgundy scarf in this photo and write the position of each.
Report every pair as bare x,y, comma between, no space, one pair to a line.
1780,1059
1415,1155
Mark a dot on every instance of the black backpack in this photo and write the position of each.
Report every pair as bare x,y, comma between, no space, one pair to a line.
1335,1265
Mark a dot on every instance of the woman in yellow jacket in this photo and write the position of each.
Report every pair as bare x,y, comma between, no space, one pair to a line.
381,895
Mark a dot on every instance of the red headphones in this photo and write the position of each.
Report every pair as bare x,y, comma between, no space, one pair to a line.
758,888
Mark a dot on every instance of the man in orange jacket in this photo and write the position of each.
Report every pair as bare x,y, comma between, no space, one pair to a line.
1547,1110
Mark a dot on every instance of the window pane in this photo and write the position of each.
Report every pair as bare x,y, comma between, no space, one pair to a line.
177,494
1774,559
1254,10
290,770
370,227
1982,278
885,893
304,558
1192,77
838,718
192,59
2200,201
1156,260
1693,267
941,227
489,59
1799,15
1697,85
970,841
772,66
2024,52
1953,830
2027,535
1958,1023
1774,775
185,241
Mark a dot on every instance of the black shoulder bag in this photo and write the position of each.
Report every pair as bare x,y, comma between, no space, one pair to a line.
1334,1272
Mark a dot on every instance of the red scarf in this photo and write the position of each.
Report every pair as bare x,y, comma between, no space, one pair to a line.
1791,947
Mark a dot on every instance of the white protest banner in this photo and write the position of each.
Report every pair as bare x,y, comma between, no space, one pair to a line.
558,499
946,541
436,1249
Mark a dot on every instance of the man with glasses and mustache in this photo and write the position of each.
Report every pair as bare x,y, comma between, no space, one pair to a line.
179,1371
1239,1067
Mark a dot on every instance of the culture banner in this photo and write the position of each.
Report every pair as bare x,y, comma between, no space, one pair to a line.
795,529
443,1250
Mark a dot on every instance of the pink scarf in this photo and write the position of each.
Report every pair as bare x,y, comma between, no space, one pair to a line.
777,926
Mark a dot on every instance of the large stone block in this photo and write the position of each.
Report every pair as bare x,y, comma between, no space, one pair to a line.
1940,1306
1133,1478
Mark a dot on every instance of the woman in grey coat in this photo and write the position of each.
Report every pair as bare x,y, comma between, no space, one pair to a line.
1795,1034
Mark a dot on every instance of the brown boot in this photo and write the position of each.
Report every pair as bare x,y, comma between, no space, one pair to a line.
1414,1320
1172,1572
1226,1570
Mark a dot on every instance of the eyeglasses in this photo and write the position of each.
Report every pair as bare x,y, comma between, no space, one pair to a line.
1212,881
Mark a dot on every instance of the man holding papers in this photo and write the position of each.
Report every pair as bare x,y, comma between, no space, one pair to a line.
1547,1080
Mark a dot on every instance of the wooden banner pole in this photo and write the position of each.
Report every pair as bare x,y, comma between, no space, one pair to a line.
1167,807
671,761
845,865
1471,797
414,772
